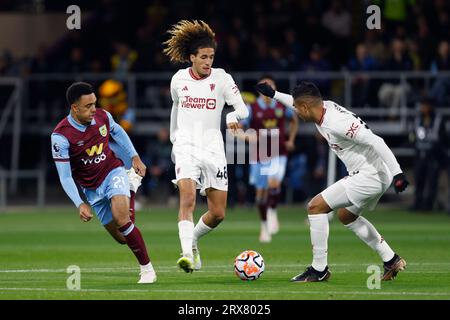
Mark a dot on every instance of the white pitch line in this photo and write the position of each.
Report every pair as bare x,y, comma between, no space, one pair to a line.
392,293
216,267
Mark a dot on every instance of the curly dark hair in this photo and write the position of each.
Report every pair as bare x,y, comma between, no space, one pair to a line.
186,38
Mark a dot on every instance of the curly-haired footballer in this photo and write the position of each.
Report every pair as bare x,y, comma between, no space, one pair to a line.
199,94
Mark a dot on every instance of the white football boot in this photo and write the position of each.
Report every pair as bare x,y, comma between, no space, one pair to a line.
147,277
148,274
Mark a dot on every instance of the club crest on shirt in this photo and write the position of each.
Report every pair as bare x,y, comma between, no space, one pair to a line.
103,130
279,112
212,86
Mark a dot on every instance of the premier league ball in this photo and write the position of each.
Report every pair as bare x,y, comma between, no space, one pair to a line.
249,265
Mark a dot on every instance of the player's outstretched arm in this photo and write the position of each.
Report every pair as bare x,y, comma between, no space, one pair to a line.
284,98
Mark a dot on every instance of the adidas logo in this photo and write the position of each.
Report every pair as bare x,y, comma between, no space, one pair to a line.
185,88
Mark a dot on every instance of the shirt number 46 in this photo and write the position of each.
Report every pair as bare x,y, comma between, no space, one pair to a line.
222,174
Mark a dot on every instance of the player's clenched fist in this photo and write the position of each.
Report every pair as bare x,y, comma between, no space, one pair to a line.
85,212
265,89
400,182
139,166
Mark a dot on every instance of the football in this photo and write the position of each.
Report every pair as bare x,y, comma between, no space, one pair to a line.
249,265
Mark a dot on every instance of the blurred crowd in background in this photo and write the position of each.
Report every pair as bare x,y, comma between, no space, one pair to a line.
122,37
278,35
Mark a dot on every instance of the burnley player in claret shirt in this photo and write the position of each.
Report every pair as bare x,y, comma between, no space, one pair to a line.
82,154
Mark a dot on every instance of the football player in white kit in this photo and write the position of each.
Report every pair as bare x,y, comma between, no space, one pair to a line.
199,94
371,166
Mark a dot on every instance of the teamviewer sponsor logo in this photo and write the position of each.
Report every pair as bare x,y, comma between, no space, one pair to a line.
198,103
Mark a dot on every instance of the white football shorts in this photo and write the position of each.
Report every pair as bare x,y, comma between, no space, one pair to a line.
207,169
358,191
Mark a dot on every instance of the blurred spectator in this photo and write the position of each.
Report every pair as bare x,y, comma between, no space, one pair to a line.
317,62
294,49
392,91
395,12
338,21
40,62
441,87
363,62
160,165
7,65
123,60
429,138
426,39
76,62
113,98
443,25
414,54
375,46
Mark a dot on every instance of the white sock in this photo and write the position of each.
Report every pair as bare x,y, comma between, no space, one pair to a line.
147,267
367,233
186,234
199,231
319,228
265,226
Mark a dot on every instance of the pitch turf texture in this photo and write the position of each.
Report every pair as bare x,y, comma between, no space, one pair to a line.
36,247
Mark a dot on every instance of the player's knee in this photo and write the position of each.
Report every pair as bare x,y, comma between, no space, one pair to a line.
346,217
218,213
121,221
312,207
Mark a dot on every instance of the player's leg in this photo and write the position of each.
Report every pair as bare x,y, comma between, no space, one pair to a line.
187,189
121,215
217,202
111,227
352,219
259,181
117,190
275,177
135,182
133,177
273,195
332,197
261,203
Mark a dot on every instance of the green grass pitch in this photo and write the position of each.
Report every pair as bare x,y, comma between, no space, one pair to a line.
36,247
